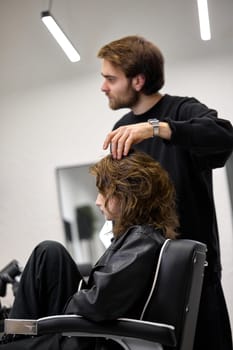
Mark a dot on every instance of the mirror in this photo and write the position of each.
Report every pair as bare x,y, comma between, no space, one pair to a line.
81,218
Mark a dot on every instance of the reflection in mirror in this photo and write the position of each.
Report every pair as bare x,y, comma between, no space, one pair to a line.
81,218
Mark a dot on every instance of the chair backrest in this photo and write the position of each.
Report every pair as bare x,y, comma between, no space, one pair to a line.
176,290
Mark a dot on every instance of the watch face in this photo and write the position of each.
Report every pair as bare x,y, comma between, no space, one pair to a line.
155,124
153,121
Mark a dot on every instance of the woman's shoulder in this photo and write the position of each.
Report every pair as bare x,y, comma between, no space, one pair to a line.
144,233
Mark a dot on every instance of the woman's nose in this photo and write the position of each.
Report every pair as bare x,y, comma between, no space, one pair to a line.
97,201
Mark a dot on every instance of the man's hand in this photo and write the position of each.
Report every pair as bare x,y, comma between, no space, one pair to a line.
124,137
121,139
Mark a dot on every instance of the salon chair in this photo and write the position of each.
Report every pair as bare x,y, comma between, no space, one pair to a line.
168,320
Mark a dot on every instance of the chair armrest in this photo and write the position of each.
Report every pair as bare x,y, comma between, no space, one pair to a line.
75,325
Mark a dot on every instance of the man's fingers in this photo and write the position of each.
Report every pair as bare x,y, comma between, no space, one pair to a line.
118,144
127,146
108,139
121,140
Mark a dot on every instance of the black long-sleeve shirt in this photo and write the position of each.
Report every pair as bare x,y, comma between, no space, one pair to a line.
200,142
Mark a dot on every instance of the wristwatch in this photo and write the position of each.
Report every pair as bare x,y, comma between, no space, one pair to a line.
155,123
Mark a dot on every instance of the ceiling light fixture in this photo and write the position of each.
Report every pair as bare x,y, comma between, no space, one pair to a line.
204,19
60,36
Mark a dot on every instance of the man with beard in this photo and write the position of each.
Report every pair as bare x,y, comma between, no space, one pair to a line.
189,140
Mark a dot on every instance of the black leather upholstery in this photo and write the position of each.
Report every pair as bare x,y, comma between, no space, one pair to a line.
176,295
170,313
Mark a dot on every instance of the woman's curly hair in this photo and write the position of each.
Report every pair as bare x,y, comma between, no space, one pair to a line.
144,189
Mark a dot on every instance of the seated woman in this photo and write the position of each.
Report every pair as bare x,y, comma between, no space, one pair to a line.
137,195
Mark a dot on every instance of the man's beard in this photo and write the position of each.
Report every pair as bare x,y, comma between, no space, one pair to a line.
127,100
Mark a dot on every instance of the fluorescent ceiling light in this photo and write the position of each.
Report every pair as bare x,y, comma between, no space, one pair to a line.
60,37
204,19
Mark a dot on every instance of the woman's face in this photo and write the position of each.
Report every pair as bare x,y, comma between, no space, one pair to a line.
113,210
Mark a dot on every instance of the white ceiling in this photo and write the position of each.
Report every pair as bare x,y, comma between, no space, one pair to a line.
29,56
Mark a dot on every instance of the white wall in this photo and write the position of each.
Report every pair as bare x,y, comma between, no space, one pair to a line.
65,124
53,126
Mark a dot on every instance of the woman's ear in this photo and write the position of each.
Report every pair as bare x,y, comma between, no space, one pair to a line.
138,82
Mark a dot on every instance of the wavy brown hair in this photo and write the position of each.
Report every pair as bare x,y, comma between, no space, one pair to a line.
136,55
143,188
